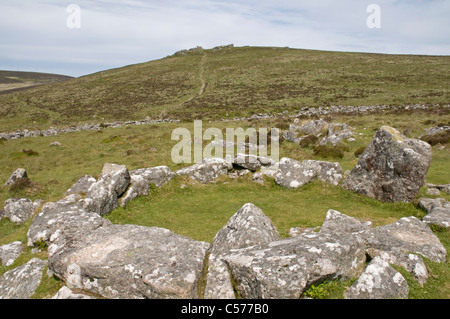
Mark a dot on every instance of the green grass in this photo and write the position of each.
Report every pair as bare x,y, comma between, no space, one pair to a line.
239,82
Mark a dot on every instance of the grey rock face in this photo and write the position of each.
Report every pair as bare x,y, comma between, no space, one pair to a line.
293,174
101,198
337,224
66,293
248,227
19,210
63,219
117,176
284,269
10,252
82,185
438,212
314,127
402,242
128,261
206,171
141,180
252,162
17,175
21,282
336,134
379,281
392,168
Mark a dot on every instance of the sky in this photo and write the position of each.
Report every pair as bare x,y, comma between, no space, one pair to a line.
54,36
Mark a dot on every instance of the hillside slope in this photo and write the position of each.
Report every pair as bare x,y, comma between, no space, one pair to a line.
230,82
13,81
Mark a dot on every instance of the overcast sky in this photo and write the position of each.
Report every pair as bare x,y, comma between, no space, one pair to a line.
35,36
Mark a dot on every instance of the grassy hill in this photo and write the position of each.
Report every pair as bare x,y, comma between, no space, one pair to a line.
229,82
14,81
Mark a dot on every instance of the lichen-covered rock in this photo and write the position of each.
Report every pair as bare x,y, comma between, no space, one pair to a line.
17,175
249,226
81,186
206,171
10,252
141,180
336,134
336,224
252,162
379,281
392,168
67,293
438,212
293,174
21,282
117,176
314,127
101,198
285,268
128,261
402,242
19,210
64,218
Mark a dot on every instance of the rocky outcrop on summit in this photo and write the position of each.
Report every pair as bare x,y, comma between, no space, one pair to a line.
129,261
248,227
293,174
21,282
392,168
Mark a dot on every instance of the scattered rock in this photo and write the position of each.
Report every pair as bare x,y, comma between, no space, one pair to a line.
61,219
10,252
252,162
101,198
293,174
338,224
258,178
17,175
249,226
56,144
379,281
129,261
141,180
438,212
206,171
436,189
67,293
21,282
117,176
284,269
392,168
19,210
82,185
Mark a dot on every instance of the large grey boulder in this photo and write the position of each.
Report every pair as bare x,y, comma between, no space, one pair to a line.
252,162
117,176
438,212
248,227
101,198
206,171
10,252
129,261
82,186
338,224
19,210
293,174
286,268
65,218
403,243
379,281
392,168
21,282
142,179
314,127
16,176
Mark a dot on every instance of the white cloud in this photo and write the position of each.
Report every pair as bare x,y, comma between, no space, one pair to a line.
115,33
